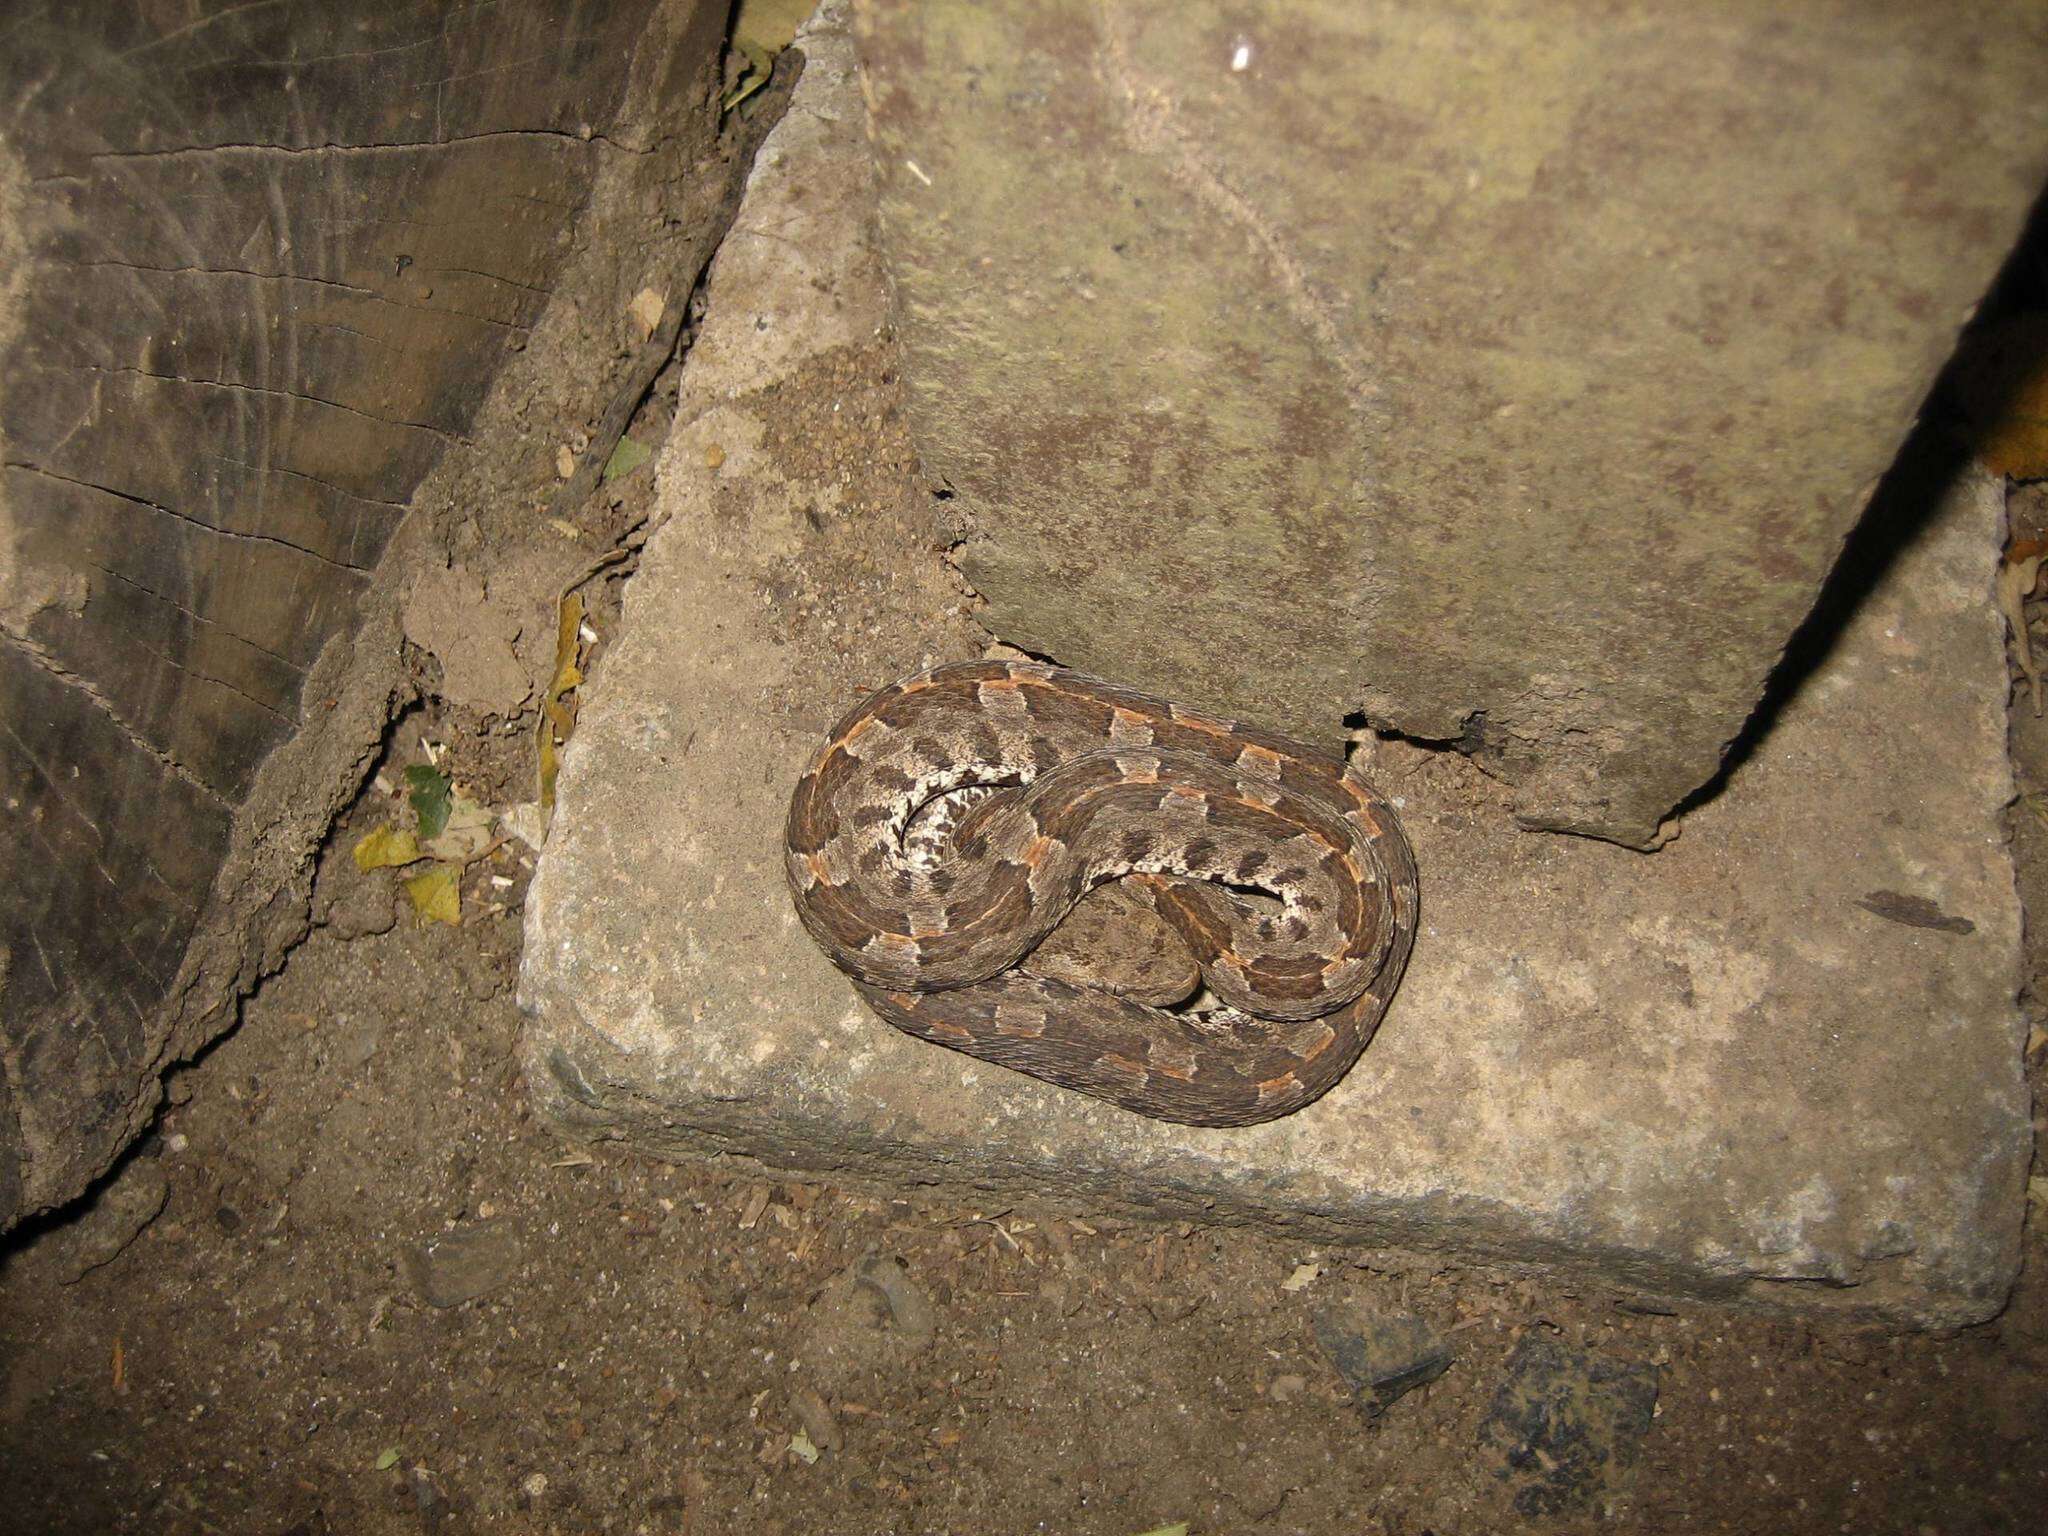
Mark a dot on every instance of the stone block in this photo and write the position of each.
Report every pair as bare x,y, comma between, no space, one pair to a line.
1509,375
1727,1069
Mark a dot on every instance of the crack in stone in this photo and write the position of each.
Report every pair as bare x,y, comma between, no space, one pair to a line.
356,529
352,289
278,394
85,685
200,618
492,277
197,151
273,277
360,573
208,677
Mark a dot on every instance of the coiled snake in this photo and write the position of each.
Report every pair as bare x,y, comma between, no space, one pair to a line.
1290,881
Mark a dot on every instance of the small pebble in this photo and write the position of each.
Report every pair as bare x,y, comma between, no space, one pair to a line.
817,1419
462,1265
1382,1356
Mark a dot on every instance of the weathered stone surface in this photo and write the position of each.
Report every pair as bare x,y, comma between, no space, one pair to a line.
1709,1071
258,266
1511,374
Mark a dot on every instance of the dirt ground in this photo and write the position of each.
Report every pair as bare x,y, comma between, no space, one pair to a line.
650,1341
349,1283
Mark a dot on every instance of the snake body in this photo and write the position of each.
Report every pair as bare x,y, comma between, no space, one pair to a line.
1289,879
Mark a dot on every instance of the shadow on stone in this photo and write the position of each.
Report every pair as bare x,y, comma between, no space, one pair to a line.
1903,504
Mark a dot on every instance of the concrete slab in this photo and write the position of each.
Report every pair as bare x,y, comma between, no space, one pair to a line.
1202,303
1778,1061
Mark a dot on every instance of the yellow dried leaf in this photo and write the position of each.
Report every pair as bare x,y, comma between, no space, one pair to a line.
437,895
1304,1276
568,622
761,29
768,26
645,311
550,768
386,848
557,718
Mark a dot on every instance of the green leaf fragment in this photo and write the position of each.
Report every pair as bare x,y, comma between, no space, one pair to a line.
387,1459
430,790
627,457
801,1447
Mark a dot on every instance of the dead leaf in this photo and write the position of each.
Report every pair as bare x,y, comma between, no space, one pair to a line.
815,1414
437,895
386,848
646,310
757,1202
525,822
761,29
557,715
465,834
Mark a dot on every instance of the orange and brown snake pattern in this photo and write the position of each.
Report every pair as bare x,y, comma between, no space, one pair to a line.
1289,879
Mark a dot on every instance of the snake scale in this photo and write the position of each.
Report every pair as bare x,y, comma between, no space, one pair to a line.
1289,879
